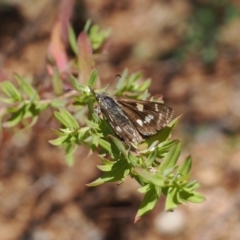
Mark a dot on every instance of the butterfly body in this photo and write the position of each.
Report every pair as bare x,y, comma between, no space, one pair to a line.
131,119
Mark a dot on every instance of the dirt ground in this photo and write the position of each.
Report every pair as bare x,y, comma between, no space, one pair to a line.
41,198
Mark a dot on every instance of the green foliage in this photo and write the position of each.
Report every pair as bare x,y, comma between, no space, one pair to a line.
72,40
96,35
204,25
153,163
24,102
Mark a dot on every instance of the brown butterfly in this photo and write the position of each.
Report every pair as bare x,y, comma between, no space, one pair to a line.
133,120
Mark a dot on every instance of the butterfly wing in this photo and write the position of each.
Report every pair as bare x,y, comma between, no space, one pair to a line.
120,123
148,117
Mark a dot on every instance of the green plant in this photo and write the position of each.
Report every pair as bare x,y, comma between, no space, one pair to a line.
203,27
153,164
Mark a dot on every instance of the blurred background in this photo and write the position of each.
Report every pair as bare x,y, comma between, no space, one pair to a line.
191,50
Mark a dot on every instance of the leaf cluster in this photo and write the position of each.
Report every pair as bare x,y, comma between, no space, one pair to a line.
153,164
24,102
204,27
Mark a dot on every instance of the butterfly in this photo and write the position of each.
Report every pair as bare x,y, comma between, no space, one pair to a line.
133,120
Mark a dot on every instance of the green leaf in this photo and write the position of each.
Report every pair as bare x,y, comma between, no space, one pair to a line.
119,171
77,86
150,159
70,159
82,133
93,140
181,197
133,78
97,36
145,188
170,159
104,144
105,168
92,125
27,88
122,81
132,159
119,144
16,117
185,167
34,109
190,186
33,122
66,119
57,103
70,150
196,198
152,178
23,111
61,119
59,141
148,147
40,106
106,161
11,91
164,147
58,132
66,130
171,199
7,100
160,136
145,85
87,25
150,199
93,78
57,82
69,147
72,39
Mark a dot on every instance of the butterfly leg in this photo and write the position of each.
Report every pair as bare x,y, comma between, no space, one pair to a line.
97,111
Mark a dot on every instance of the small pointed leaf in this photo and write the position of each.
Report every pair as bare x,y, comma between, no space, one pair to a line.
150,199
72,40
171,158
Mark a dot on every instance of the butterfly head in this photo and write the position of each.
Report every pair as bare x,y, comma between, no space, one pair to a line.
98,96
104,100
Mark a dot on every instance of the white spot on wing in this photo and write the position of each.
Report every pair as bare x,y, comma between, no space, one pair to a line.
148,118
139,122
140,107
118,129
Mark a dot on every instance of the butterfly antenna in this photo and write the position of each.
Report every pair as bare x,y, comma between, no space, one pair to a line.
68,90
117,76
93,92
